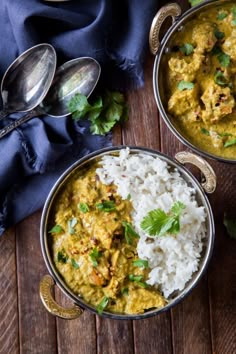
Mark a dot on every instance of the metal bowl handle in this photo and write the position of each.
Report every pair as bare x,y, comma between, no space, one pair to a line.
173,10
45,290
209,184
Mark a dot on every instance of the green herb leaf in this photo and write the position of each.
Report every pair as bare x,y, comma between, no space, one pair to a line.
233,11
230,225
205,131
141,263
128,196
185,85
195,2
158,223
224,59
107,206
218,34
71,224
95,255
137,279
221,16
125,291
56,229
74,264
230,142
62,256
102,305
83,207
225,134
220,79
187,49
130,233
103,112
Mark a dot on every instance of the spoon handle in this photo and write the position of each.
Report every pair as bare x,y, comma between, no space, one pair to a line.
16,123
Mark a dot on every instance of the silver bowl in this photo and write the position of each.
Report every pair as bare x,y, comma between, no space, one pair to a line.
159,48
48,281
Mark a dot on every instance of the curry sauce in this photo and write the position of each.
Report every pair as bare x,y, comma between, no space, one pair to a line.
94,247
201,82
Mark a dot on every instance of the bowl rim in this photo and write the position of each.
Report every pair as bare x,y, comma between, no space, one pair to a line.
156,69
63,178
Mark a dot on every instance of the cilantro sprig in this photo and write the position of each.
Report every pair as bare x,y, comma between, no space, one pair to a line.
142,263
106,206
185,85
62,256
57,229
130,233
103,112
159,223
94,256
83,207
187,49
223,58
138,280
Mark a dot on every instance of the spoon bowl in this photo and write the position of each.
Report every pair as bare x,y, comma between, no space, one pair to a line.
27,80
75,76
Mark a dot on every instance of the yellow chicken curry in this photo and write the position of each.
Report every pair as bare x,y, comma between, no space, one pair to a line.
94,247
202,80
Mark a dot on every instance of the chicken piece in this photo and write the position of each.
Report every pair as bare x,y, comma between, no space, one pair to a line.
229,46
185,104
216,139
203,37
150,299
218,102
186,68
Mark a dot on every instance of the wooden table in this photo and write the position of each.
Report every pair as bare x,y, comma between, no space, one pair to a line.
203,323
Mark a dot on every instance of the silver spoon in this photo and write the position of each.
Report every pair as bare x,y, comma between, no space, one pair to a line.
27,80
75,76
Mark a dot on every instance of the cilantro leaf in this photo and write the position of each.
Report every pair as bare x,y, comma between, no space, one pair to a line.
218,34
95,255
107,206
187,48
141,263
205,131
158,223
125,291
103,112
221,16
230,142
56,229
230,225
130,233
71,224
224,59
195,2
83,207
137,279
185,85
102,305
74,264
62,256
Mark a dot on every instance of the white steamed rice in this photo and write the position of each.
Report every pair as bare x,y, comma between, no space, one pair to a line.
172,258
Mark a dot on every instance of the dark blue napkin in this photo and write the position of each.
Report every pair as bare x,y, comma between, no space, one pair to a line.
113,32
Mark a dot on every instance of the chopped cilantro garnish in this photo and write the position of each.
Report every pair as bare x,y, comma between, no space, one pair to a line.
125,291
221,16
56,229
128,196
218,34
62,256
71,224
185,85
107,206
140,263
205,131
187,48
230,142
130,233
74,264
137,279
102,305
159,223
223,58
95,255
83,207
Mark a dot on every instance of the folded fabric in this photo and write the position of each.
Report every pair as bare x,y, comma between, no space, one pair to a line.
116,34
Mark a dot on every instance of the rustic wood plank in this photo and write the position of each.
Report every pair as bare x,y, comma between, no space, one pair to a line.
9,342
37,329
222,270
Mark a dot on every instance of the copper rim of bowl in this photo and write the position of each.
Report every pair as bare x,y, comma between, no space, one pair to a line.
157,67
45,247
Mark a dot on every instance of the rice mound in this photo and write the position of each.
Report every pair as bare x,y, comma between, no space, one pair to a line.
147,179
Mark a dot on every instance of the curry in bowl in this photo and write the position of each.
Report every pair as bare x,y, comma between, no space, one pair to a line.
200,83
127,233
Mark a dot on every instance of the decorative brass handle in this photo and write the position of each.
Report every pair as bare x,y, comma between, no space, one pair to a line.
209,185
45,290
173,10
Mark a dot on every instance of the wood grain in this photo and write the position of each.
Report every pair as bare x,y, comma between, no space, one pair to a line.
9,342
37,329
